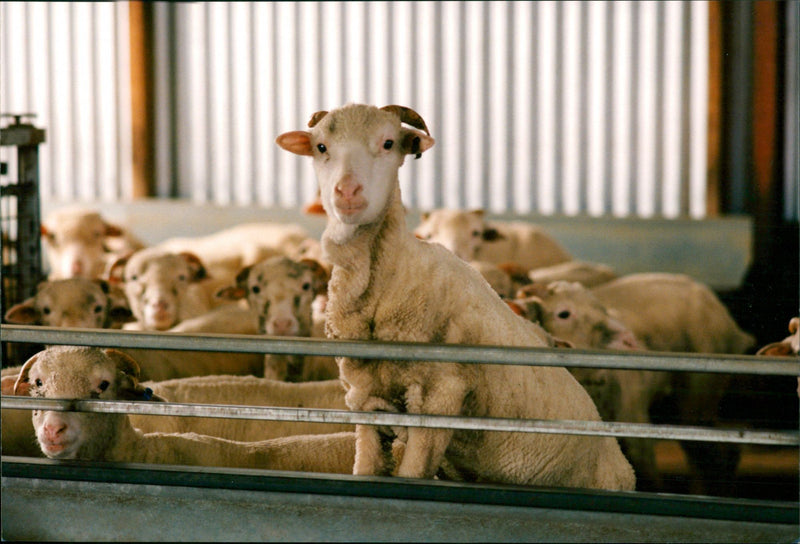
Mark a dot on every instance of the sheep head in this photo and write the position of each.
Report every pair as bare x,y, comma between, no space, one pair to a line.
357,150
73,372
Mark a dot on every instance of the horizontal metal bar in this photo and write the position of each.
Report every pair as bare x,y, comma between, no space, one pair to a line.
602,428
407,351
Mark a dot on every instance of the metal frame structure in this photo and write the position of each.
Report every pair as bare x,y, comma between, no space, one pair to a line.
28,479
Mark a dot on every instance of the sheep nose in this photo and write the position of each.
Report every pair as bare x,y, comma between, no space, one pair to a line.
347,188
282,325
77,268
52,430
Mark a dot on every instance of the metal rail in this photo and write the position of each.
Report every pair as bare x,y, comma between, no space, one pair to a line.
407,351
618,429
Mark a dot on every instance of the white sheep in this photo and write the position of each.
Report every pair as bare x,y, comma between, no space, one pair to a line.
388,285
19,438
80,243
165,288
664,312
281,292
229,250
73,302
470,236
69,372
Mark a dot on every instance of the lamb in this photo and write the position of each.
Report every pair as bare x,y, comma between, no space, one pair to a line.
281,291
665,312
470,236
81,373
229,250
164,288
80,243
19,438
73,302
388,285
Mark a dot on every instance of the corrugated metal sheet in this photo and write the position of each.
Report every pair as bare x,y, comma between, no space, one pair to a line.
542,107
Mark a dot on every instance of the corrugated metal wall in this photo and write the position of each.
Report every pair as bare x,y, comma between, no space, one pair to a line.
68,62
545,107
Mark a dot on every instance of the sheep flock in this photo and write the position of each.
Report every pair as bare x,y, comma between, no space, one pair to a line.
458,277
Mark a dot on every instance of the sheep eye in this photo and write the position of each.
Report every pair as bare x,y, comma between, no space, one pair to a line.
256,289
38,382
103,385
98,309
388,144
563,314
306,286
321,148
46,310
134,277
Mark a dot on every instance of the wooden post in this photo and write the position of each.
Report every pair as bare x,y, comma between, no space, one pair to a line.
140,17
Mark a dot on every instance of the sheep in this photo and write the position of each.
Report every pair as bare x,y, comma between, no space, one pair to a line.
388,285
19,438
229,250
665,312
80,243
470,236
788,346
74,302
281,291
69,372
165,288
569,311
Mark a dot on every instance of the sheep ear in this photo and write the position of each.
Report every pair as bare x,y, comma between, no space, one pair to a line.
532,290
515,307
297,141
319,273
22,385
116,271
124,362
532,307
113,230
776,349
794,323
196,267
414,142
517,273
491,234
24,313
231,293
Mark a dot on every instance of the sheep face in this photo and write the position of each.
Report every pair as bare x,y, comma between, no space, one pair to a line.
281,291
568,311
74,302
462,232
157,286
67,372
75,241
357,150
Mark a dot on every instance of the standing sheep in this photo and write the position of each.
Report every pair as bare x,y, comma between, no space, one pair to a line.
388,285
470,236
281,292
68,372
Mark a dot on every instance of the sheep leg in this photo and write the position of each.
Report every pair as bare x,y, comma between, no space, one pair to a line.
425,447
374,448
